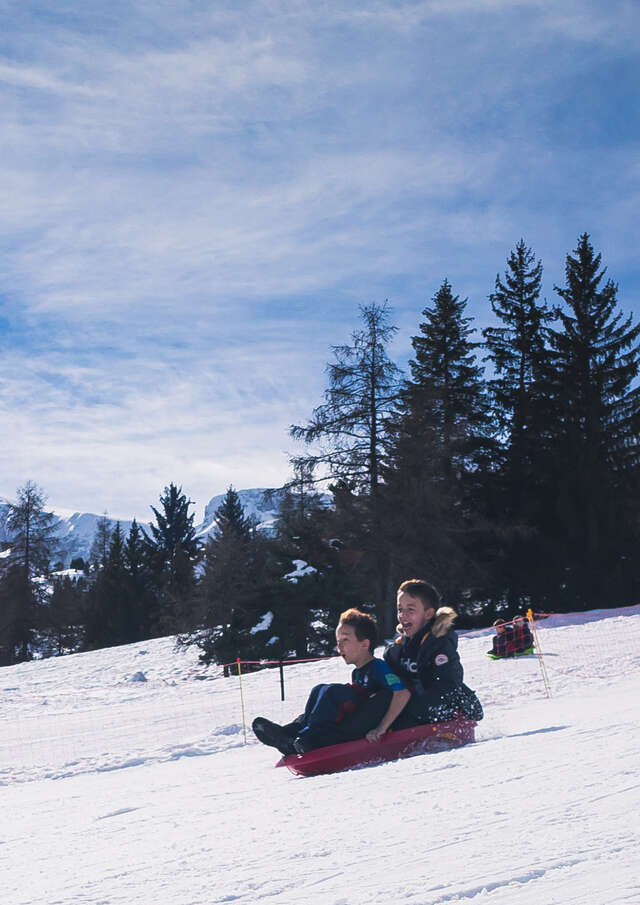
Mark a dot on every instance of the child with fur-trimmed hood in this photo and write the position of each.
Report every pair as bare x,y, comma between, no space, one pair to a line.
425,656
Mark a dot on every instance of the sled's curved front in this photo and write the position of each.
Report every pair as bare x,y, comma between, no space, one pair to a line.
393,745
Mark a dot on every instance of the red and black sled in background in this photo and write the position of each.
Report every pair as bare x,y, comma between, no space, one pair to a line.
392,746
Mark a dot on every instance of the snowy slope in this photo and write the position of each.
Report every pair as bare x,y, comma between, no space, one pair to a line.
125,778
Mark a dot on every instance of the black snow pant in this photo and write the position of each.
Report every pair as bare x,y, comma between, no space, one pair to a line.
351,727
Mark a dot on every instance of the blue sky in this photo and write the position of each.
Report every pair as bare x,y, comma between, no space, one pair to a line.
196,198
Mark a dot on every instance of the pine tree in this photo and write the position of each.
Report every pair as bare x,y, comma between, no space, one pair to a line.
309,604
22,595
108,599
116,579
230,517
363,384
99,551
32,530
352,431
442,441
447,390
174,551
140,584
96,603
120,601
595,431
18,616
518,352
302,516
65,614
232,592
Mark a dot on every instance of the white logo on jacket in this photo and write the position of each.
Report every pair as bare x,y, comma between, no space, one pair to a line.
409,665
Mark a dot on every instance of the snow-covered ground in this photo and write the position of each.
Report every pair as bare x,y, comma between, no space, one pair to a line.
125,778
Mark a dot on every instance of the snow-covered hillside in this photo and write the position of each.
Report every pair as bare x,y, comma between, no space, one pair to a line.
125,780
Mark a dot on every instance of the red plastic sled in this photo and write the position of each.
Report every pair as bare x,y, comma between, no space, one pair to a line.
393,745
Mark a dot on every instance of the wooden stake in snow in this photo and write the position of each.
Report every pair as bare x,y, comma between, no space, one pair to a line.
543,668
244,725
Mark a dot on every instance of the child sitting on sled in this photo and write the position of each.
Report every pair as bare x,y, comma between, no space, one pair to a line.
502,645
511,638
425,656
522,637
372,682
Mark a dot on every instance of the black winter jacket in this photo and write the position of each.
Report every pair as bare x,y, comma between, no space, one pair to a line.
429,661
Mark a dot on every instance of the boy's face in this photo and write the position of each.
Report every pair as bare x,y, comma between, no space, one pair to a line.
352,650
412,614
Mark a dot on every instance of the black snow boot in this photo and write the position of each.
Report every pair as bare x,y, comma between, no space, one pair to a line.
273,734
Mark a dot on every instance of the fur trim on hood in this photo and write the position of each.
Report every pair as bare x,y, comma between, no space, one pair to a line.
443,620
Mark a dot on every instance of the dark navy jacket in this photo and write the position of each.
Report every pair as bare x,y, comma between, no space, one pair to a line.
430,658
430,665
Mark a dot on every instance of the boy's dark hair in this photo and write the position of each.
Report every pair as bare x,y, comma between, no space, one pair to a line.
425,592
363,625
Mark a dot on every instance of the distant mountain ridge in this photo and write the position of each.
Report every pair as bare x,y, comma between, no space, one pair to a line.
262,504
75,533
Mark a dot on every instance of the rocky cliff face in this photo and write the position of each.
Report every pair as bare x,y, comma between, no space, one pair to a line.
259,503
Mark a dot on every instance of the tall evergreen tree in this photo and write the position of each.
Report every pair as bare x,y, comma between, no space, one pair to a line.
592,512
18,616
352,433
310,599
117,583
518,352
230,518
447,390
442,440
99,552
22,596
108,600
232,592
351,425
174,551
32,530
140,583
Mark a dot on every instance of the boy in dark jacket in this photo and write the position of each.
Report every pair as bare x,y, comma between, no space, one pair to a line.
425,656
372,683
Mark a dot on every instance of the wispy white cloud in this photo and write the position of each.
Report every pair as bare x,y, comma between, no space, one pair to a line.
587,21
194,201
84,431
28,76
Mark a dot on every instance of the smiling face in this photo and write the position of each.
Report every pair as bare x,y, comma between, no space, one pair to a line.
412,614
352,651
